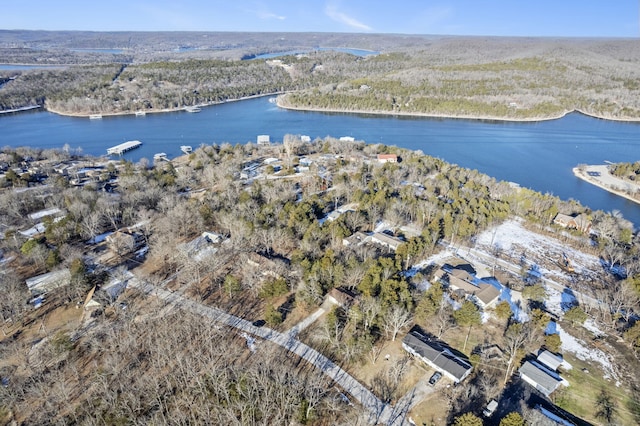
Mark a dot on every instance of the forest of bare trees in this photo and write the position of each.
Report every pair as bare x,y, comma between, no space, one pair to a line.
503,78
276,225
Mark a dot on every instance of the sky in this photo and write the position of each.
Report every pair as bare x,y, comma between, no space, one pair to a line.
564,18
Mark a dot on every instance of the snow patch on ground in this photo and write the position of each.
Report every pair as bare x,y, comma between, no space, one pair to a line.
382,226
513,238
580,350
99,238
558,303
251,341
590,325
455,305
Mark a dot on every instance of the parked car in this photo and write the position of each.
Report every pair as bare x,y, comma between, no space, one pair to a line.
434,379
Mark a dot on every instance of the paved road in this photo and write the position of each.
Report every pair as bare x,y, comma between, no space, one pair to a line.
379,413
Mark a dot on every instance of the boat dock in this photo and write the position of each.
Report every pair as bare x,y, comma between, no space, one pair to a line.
123,147
187,149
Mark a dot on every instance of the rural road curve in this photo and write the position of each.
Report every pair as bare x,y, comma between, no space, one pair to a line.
379,412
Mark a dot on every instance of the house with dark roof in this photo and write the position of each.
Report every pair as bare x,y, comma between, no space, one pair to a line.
437,355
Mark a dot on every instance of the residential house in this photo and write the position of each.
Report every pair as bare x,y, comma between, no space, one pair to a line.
387,158
356,239
44,283
202,246
390,242
461,281
487,296
266,266
580,222
124,241
541,377
437,355
342,297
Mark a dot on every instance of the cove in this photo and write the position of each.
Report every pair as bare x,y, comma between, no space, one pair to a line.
537,155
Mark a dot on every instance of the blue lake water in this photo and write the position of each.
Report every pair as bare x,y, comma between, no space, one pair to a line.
356,52
14,67
99,50
536,155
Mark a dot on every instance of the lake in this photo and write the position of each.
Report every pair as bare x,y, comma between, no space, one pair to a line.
537,155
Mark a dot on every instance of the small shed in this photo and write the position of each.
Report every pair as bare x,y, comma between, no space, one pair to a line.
551,360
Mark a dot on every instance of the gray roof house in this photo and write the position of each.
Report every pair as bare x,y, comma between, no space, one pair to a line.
540,377
382,239
437,355
46,282
551,360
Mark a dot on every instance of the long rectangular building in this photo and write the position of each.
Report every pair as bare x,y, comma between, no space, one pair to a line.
123,147
437,355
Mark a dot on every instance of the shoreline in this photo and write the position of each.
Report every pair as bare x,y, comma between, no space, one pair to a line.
457,117
157,111
601,181
342,111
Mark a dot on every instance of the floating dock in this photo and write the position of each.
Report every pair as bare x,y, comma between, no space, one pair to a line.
123,147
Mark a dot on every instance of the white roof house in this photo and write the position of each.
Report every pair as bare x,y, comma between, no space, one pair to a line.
46,282
553,361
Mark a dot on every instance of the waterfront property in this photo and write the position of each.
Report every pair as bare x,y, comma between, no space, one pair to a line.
505,151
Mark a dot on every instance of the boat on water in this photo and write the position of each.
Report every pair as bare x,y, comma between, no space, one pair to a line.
160,156
140,113
95,117
187,149
192,109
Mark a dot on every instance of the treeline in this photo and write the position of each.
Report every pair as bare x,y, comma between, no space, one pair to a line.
629,171
521,88
39,86
171,85
425,79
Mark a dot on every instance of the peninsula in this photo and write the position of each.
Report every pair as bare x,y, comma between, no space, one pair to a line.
599,176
